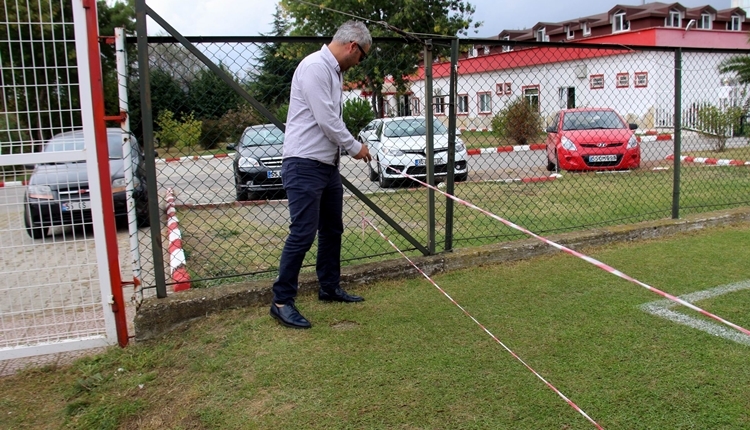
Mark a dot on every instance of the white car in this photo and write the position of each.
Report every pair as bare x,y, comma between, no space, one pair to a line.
401,144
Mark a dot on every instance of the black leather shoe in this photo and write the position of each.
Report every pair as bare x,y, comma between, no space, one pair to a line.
289,316
338,295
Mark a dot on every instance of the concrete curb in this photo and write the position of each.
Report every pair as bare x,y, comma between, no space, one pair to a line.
12,184
158,316
710,161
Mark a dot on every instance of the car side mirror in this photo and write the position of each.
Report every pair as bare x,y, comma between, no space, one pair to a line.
373,138
550,129
156,154
634,126
29,166
231,147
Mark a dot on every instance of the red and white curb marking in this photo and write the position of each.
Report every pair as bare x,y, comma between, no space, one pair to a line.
583,257
510,351
654,137
177,261
710,161
500,149
11,184
192,158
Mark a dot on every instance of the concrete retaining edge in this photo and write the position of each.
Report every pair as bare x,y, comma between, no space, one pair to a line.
158,316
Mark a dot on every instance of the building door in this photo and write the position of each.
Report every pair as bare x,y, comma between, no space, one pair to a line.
567,97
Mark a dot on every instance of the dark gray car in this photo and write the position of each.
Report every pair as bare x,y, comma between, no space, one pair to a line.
58,193
257,162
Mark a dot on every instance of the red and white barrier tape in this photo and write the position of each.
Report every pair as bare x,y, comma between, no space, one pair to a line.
584,257
710,161
177,261
510,351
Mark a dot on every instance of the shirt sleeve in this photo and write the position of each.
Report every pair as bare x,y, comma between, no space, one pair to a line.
317,92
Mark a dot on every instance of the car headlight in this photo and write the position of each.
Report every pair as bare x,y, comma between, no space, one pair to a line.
568,144
460,147
632,142
247,163
43,192
389,150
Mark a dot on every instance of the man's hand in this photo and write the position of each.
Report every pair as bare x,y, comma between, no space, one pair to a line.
363,154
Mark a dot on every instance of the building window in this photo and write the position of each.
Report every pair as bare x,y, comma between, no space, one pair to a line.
541,35
620,23
485,102
463,104
705,22
569,32
586,29
486,49
500,89
623,80
735,24
507,48
531,95
674,19
507,89
640,79
416,106
596,82
439,105
473,52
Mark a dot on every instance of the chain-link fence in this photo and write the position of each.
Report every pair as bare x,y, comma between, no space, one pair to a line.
552,137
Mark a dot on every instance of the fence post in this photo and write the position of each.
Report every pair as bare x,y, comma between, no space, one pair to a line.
677,132
451,145
430,154
157,251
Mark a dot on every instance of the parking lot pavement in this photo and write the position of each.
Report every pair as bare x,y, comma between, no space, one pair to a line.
50,286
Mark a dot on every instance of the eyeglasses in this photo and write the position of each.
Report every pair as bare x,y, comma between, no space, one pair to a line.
362,53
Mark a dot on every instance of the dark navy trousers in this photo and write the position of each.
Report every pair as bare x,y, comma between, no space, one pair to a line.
315,196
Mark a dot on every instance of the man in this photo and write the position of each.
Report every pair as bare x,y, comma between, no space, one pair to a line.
315,131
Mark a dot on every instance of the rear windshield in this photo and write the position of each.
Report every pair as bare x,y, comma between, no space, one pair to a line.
592,120
412,127
74,142
262,137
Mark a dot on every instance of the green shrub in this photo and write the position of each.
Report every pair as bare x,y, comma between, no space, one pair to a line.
719,123
183,135
282,112
517,122
357,113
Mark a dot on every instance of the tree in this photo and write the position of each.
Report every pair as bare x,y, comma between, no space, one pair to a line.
110,17
39,86
272,80
209,96
739,65
400,61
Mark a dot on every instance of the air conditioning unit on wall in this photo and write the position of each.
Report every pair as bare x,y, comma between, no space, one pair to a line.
581,71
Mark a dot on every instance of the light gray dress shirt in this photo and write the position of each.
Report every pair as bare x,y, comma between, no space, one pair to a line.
315,128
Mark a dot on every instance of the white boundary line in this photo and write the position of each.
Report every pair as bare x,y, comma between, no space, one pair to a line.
662,308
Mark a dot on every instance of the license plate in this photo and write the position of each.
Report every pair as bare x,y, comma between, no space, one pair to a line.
602,158
76,206
423,161
271,174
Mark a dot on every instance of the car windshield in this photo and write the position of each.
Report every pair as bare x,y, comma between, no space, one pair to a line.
262,137
412,127
592,120
74,142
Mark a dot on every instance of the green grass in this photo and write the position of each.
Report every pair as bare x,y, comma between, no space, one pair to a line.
407,358
232,241
486,139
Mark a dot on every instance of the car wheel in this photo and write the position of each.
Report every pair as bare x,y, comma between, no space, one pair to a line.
373,173
461,178
553,166
242,194
33,232
141,214
383,182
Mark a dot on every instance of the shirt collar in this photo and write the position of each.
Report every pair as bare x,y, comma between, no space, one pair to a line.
330,59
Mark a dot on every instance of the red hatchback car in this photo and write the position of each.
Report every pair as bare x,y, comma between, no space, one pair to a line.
591,139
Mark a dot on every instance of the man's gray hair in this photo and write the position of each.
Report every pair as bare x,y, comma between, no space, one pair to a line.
353,31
